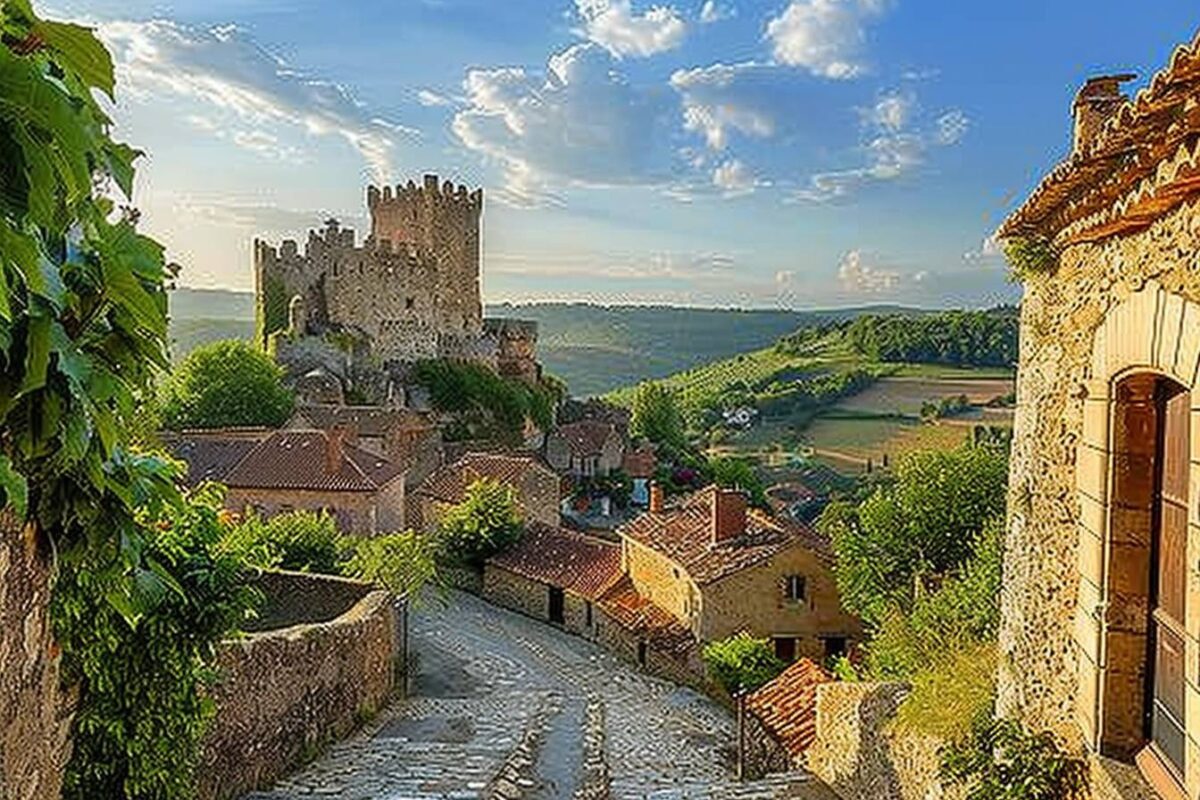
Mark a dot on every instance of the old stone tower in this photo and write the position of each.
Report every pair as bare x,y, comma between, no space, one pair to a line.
410,290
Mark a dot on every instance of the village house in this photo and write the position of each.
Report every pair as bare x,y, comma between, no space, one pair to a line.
778,721
1100,632
273,472
536,485
585,449
408,438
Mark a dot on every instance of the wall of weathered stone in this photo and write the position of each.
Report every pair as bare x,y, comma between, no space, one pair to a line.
761,753
858,756
532,598
284,694
35,712
1058,479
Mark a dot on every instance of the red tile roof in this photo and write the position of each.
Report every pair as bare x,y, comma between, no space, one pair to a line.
449,482
366,420
580,564
298,459
636,613
683,533
787,706
586,437
640,463
210,456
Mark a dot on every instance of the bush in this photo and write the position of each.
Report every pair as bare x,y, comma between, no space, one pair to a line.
1001,760
951,692
488,405
143,711
655,416
404,563
306,541
226,384
741,663
487,521
738,473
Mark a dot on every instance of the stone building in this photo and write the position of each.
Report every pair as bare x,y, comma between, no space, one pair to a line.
1100,637
585,449
536,485
410,291
278,471
778,721
720,568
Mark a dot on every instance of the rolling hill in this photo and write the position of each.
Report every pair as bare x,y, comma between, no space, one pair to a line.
595,349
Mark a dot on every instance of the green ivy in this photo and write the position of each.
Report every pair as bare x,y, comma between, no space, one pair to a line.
1029,256
487,404
1002,760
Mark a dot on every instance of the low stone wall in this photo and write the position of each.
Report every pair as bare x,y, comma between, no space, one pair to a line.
856,754
284,694
760,753
35,712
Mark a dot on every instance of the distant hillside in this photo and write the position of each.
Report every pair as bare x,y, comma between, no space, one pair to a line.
595,349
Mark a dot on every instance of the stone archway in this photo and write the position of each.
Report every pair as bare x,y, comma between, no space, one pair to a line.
1148,341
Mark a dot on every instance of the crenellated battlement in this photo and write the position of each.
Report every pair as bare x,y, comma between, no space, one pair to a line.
446,194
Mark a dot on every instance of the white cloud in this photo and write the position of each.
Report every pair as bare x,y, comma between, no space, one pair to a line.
734,178
952,127
684,266
261,219
826,37
581,123
224,67
614,25
429,98
713,11
723,98
266,145
859,276
892,111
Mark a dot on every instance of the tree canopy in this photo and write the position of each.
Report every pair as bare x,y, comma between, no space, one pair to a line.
965,338
741,663
656,416
224,384
487,521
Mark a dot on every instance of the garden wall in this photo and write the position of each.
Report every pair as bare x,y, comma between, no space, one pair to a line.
35,712
285,693
856,754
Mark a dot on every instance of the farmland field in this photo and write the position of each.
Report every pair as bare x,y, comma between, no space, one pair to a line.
904,395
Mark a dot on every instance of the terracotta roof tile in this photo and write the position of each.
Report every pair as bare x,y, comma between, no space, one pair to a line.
580,564
210,456
297,459
636,613
787,706
683,533
449,482
1143,161
367,420
586,437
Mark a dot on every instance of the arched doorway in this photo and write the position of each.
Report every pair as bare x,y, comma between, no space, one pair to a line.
1147,576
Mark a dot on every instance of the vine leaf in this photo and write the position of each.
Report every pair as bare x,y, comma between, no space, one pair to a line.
16,490
77,50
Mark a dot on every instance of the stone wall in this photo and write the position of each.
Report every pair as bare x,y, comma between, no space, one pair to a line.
355,512
760,753
532,598
35,712
284,694
856,754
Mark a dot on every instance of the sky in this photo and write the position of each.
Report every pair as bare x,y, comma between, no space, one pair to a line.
777,154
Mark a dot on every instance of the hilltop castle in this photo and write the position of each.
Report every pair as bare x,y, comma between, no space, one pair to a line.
410,291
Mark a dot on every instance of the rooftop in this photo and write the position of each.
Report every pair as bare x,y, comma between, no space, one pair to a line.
586,437
449,482
787,706
684,533
1142,161
580,564
365,420
636,613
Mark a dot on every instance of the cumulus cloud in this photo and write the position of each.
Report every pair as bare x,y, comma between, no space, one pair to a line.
734,178
614,25
723,98
581,123
892,111
952,127
859,276
713,11
826,37
430,98
225,68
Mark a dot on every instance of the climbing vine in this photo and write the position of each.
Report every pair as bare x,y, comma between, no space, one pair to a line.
272,316
1029,256
140,596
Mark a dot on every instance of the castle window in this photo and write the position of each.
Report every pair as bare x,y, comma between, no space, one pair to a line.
409,303
795,588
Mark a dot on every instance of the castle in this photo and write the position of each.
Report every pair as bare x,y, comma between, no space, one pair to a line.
409,292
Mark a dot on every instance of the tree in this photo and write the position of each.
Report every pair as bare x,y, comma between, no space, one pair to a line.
923,525
738,473
656,416
487,521
224,384
741,663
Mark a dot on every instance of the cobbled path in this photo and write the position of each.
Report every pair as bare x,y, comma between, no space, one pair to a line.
504,707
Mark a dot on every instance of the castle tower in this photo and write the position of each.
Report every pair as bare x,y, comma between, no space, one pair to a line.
442,224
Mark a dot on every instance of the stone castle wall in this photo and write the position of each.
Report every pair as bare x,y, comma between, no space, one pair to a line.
284,694
1109,307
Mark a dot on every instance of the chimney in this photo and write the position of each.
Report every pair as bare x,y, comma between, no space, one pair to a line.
1098,100
656,497
728,514
335,450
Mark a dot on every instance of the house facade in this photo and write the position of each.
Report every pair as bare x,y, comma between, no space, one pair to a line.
1100,635
585,449
273,472
537,487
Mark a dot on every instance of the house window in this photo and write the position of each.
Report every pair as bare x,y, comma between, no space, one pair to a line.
785,648
796,588
587,614
641,653
835,646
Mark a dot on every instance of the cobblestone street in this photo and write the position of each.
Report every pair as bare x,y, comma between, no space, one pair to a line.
502,706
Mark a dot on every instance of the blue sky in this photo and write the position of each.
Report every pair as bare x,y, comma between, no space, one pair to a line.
791,153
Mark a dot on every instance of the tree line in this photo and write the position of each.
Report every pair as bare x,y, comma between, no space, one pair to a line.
960,338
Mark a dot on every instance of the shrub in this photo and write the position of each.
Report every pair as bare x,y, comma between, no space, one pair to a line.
487,404
655,416
297,540
486,522
405,563
226,384
1001,760
741,663
951,692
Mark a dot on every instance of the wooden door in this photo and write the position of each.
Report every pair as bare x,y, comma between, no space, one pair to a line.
557,604
1165,680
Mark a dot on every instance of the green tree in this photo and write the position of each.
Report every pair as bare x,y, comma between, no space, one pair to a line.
738,473
487,521
741,663
307,541
923,525
656,416
225,384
